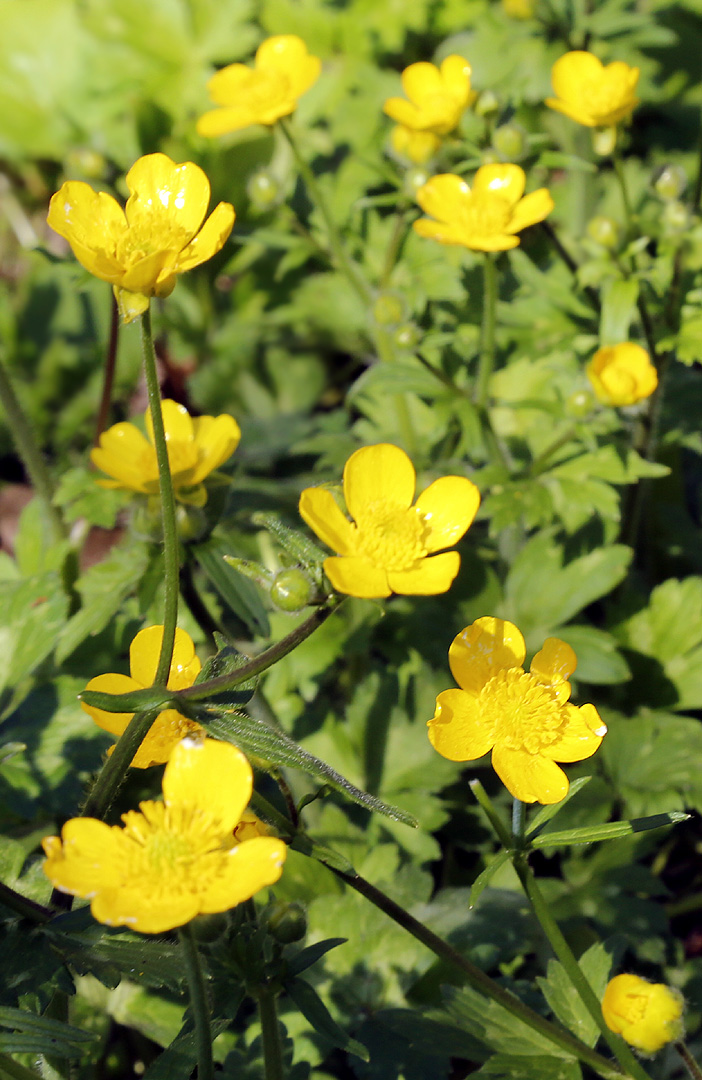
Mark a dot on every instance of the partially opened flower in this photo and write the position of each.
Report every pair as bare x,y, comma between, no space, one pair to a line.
648,1015
418,146
622,374
196,447
162,231
169,727
525,718
283,70
437,96
174,859
484,217
389,547
592,93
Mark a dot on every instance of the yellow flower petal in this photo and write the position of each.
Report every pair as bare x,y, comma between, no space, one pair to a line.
429,577
448,507
212,237
622,374
403,112
455,76
222,121
132,907
171,198
83,860
580,738
251,866
648,1015
554,662
144,654
217,437
380,473
590,93
443,197
532,208
176,422
483,649
421,80
212,776
356,576
113,722
319,509
93,223
124,454
458,729
288,54
529,777
418,146
226,84
572,70
497,179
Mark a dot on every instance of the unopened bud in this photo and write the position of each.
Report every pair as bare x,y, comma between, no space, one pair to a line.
604,231
510,141
580,404
407,336
287,922
389,310
414,179
262,189
291,590
670,181
487,103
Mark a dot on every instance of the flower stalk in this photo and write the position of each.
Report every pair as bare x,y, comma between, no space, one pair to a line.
691,1065
270,1035
198,1002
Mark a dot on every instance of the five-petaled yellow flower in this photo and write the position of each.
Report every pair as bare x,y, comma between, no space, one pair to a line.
591,93
437,96
196,447
648,1015
622,374
169,727
391,546
525,718
283,70
484,217
160,233
174,859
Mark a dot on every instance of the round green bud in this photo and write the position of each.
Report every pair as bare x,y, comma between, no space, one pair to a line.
509,140
407,336
209,928
291,590
675,216
604,140
580,404
415,178
389,310
670,181
487,103
191,522
86,162
286,921
262,189
604,231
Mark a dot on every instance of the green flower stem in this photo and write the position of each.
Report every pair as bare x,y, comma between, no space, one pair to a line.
23,906
518,821
168,509
692,1066
568,260
560,946
336,242
474,976
259,663
198,1002
623,187
481,795
540,462
397,237
270,1035
31,455
487,337
114,770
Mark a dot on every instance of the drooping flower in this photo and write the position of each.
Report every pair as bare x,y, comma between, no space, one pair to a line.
525,718
161,232
169,727
391,546
484,217
174,859
283,70
648,1015
622,374
592,93
437,96
418,146
196,447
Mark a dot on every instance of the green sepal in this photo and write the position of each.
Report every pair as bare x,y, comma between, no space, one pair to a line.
316,1013
612,831
302,549
153,697
260,741
251,570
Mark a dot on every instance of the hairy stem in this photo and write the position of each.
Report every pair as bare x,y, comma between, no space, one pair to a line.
270,1035
198,1002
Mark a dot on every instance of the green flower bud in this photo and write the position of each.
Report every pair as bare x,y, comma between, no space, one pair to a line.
389,310
670,181
287,922
209,928
604,140
262,189
291,590
87,163
604,231
415,178
487,103
191,523
407,336
580,404
509,140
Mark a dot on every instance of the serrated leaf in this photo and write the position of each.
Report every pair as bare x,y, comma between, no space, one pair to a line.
515,1067
34,611
496,1027
237,592
564,999
611,831
316,1013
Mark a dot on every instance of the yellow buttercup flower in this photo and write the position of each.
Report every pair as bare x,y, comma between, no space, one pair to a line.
437,96
418,146
622,374
283,70
196,447
484,217
525,718
174,859
162,231
169,727
391,546
648,1015
591,93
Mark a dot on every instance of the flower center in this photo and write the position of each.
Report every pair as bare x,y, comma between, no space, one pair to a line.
605,94
151,230
391,537
171,850
486,214
264,88
524,713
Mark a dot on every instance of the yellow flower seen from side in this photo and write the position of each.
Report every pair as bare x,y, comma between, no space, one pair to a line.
525,718
174,859
622,374
484,217
648,1015
592,93
417,146
390,545
160,233
283,71
169,727
438,96
196,447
